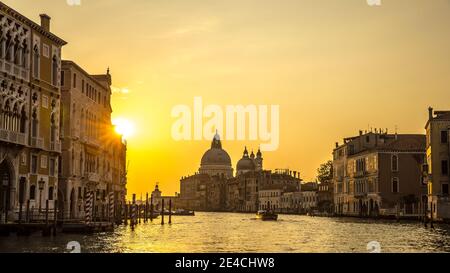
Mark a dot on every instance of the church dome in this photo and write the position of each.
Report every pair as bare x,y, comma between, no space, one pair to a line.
246,163
216,155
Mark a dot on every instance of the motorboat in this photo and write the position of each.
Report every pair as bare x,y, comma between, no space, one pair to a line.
266,215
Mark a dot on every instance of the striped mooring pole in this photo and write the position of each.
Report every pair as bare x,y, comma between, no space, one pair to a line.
111,207
88,208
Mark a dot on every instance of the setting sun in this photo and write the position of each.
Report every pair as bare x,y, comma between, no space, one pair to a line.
124,127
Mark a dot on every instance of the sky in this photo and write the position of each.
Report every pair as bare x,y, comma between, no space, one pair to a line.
334,67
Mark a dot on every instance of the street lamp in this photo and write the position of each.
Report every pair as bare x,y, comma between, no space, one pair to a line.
41,187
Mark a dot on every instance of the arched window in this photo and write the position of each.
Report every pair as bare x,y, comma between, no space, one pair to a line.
34,125
36,61
395,185
55,71
23,120
50,193
32,192
394,163
53,129
25,54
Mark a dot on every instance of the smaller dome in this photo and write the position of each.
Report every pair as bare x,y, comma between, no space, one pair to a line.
245,164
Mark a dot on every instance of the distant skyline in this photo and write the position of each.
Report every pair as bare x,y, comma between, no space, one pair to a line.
334,67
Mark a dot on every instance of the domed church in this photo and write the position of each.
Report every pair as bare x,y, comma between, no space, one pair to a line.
249,163
216,160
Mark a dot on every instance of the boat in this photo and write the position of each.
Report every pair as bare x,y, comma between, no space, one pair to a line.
266,215
182,212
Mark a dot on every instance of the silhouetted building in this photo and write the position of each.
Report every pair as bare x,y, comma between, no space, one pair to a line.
214,188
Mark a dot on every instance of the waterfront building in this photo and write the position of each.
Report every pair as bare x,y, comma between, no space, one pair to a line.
308,200
157,199
93,155
325,197
270,198
375,172
291,202
437,167
30,64
215,188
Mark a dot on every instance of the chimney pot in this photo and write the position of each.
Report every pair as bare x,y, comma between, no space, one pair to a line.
45,22
430,113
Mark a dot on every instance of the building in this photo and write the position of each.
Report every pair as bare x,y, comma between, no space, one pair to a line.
325,197
215,188
270,198
157,199
30,64
437,167
308,200
93,155
375,172
291,202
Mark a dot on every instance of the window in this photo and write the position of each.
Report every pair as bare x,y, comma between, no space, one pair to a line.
82,86
444,137
395,185
34,127
23,159
34,164
50,193
55,71
52,166
367,139
45,101
45,51
36,62
445,189
74,80
444,167
44,162
32,192
395,163
62,78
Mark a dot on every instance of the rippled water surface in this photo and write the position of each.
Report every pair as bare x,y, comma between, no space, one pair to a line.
228,232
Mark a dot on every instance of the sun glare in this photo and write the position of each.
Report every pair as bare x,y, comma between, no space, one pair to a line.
124,127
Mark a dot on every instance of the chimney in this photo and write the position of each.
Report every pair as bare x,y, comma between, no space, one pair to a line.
360,132
430,113
45,22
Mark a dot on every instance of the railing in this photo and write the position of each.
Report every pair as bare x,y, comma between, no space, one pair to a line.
37,142
55,147
93,177
13,137
14,70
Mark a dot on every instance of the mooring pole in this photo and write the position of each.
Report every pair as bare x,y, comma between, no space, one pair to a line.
146,208
28,212
46,212
170,211
151,209
162,212
55,216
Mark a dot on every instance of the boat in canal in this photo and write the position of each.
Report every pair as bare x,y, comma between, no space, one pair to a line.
266,215
182,212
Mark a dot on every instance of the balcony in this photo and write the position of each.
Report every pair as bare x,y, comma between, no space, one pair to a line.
37,142
12,137
360,173
93,177
14,70
55,146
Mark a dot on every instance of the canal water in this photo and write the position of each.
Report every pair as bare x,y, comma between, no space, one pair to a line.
229,232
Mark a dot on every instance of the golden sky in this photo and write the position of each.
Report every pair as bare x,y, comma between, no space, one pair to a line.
333,66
